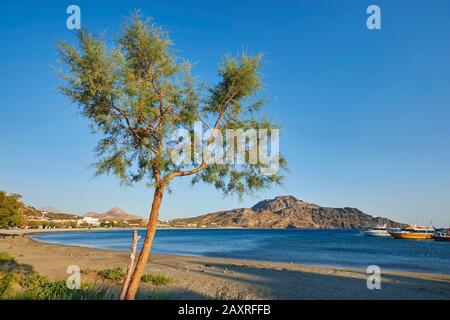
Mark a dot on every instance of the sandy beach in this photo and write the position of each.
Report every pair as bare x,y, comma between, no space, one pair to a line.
212,278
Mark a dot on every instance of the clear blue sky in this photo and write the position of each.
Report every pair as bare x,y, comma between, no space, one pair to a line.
365,114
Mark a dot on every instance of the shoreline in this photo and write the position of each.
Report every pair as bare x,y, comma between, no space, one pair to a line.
29,234
210,278
19,232
23,232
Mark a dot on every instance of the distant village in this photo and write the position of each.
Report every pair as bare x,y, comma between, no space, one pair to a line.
23,216
42,219
114,218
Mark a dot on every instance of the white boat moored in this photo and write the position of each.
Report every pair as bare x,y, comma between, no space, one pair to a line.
380,231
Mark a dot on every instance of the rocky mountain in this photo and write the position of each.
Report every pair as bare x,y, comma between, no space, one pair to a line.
288,212
114,214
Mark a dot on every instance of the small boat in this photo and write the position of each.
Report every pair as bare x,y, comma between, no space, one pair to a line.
442,235
379,231
413,232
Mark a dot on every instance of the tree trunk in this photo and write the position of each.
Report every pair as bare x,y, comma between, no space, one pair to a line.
130,267
145,252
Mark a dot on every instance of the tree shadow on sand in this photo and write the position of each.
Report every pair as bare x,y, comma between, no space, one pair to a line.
282,283
170,294
15,267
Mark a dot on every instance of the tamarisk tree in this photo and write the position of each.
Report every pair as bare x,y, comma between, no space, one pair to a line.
137,92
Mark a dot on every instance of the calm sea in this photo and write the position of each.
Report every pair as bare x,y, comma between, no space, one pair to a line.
315,247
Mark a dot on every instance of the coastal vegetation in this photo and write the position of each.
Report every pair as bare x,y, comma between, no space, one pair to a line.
135,95
157,279
15,214
10,210
5,257
16,284
20,283
115,274
37,287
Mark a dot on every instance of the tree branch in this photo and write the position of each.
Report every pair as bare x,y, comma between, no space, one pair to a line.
202,166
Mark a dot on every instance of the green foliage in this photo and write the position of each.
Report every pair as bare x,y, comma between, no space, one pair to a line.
122,224
137,92
31,212
5,257
115,274
6,284
41,288
37,287
240,80
34,281
62,216
50,224
10,210
157,279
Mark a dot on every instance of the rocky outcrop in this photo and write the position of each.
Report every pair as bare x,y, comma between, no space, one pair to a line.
288,212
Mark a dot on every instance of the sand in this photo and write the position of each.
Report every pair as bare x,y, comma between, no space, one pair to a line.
212,278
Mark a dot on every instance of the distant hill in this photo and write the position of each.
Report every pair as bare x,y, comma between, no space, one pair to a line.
114,214
50,209
288,212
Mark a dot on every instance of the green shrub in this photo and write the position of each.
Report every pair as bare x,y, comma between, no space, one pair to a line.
4,257
38,287
6,284
157,279
52,291
115,274
34,281
92,294
58,291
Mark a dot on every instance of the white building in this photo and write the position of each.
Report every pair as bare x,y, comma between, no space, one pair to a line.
89,220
